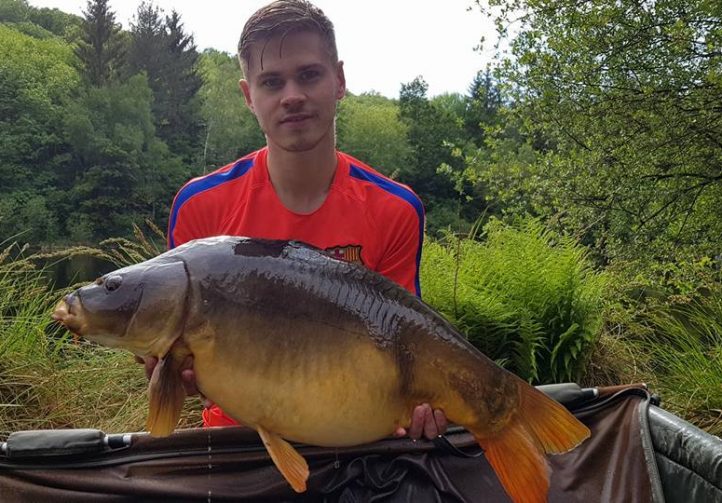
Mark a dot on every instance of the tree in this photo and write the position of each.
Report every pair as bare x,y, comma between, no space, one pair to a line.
182,126
231,130
483,106
432,132
168,55
62,24
37,78
369,128
14,11
628,94
101,49
124,172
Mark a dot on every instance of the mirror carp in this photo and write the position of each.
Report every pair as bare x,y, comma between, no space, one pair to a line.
303,347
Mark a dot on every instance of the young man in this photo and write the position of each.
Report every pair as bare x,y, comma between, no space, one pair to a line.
299,186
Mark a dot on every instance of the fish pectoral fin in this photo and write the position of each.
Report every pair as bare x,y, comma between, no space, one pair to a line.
166,396
287,459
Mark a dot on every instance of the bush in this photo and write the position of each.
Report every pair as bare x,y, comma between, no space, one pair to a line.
524,296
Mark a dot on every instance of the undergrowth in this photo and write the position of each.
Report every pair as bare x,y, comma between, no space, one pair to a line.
525,296
685,344
47,378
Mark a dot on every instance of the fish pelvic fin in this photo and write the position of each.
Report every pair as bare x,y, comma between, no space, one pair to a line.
166,396
516,453
287,459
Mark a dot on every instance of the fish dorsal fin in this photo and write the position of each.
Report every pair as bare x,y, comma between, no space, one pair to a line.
166,396
287,459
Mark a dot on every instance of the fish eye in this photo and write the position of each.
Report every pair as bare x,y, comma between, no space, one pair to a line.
113,282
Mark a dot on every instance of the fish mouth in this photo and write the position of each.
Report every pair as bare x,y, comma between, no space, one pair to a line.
66,313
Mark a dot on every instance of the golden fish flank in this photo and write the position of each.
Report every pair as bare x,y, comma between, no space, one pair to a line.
317,343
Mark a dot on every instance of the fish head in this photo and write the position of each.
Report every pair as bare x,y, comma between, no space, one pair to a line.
140,308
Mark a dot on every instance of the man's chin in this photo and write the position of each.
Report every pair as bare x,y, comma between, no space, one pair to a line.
299,145
305,141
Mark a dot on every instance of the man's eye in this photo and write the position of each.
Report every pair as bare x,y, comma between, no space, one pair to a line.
309,75
273,83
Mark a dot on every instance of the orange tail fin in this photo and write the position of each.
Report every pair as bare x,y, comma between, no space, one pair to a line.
552,425
516,453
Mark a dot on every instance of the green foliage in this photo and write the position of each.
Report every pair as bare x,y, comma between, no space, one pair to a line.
161,48
504,170
37,78
43,21
61,24
627,94
231,130
430,129
370,130
122,170
525,296
483,107
686,349
101,48
14,11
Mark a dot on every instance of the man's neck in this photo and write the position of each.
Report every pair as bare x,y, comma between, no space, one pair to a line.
302,179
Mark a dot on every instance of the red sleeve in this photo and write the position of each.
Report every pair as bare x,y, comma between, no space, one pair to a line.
402,254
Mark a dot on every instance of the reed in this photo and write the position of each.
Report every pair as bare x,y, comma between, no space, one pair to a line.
50,380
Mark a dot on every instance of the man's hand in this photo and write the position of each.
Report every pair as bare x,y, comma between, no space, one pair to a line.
424,420
187,375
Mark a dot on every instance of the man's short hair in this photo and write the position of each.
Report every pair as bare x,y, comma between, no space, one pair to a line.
281,18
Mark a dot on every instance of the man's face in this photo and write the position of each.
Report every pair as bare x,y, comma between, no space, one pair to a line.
293,91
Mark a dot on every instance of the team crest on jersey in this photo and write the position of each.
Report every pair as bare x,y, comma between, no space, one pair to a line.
349,253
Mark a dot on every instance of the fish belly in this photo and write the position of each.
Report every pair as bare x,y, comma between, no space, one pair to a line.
332,395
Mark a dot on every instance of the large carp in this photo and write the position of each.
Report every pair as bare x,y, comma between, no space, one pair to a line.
303,347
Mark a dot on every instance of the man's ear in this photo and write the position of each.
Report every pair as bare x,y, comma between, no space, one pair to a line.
341,79
245,88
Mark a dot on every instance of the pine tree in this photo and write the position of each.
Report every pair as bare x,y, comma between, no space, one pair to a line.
101,48
484,104
183,118
169,57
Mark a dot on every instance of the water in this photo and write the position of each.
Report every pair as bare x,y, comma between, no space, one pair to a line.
77,269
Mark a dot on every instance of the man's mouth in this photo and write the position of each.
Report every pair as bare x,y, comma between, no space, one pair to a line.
295,118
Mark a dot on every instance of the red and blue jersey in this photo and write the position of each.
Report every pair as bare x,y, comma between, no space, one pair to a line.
366,218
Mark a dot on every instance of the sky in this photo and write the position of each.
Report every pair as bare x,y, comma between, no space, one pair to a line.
383,43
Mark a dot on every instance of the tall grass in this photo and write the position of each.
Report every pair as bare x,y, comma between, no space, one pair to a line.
685,345
50,380
523,295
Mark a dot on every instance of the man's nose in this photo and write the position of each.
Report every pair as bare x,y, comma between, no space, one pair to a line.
293,96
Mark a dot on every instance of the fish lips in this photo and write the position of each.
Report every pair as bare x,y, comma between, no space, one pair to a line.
67,313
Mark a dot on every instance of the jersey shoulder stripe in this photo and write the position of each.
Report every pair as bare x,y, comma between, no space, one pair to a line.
402,192
388,185
202,184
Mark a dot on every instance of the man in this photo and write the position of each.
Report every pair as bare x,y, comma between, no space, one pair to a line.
299,187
